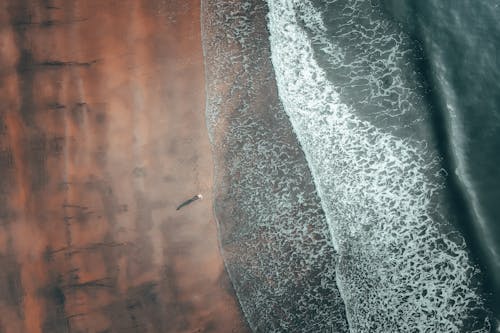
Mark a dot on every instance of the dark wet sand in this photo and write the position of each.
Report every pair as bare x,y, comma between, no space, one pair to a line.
102,135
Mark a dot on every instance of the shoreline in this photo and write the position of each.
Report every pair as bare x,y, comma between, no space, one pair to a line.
104,135
270,220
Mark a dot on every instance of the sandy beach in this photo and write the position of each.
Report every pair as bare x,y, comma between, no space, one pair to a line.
102,136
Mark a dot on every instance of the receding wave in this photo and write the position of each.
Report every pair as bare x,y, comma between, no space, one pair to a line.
274,236
402,266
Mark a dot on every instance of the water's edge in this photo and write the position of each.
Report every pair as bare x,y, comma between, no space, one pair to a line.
273,233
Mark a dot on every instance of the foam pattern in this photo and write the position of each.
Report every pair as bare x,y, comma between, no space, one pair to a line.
401,267
274,236
373,65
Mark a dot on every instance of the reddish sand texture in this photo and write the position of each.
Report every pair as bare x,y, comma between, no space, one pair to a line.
102,135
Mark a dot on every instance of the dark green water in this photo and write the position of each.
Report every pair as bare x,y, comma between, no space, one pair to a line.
460,41
430,71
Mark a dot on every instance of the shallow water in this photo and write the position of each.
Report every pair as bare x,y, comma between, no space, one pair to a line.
273,232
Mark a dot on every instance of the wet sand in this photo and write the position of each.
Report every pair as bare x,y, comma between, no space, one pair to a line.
102,135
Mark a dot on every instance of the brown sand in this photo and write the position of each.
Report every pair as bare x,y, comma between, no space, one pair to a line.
102,135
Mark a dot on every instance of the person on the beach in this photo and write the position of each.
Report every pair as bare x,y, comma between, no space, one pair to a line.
187,202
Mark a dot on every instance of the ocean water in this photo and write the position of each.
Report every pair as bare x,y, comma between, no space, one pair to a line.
460,42
376,127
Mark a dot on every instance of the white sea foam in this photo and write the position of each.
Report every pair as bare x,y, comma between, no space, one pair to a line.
398,271
274,237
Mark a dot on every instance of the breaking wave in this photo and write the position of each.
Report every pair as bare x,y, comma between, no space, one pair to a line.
402,265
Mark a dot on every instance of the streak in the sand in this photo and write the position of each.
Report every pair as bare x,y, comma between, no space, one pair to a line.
97,115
